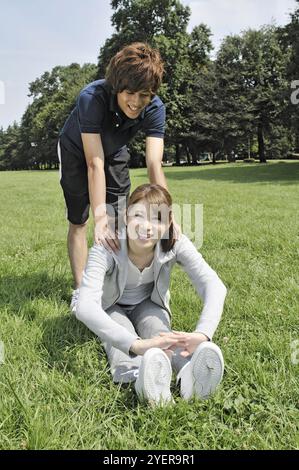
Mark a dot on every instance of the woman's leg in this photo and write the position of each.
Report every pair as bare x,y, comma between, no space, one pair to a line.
123,368
149,319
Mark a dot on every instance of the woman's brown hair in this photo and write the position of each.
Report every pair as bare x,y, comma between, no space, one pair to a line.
135,67
154,194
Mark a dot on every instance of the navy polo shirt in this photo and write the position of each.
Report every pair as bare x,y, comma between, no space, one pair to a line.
97,111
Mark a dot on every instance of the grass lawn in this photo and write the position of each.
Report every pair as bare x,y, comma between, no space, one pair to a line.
55,386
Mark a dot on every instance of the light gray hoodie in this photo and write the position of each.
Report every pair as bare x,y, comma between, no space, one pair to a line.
104,280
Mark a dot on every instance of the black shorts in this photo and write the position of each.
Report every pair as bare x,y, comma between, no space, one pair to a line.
74,183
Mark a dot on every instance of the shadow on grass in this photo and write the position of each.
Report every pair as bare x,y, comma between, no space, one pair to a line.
16,291
280,172
35,297
62,340
62,335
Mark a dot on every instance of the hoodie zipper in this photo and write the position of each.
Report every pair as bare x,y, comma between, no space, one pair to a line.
163,303
117,281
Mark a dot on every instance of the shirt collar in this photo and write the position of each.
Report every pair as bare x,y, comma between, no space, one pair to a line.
113,106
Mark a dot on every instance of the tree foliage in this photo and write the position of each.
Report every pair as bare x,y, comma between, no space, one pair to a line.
53,97
236,103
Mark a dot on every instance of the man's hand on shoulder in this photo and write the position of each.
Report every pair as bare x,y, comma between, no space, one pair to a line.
105,234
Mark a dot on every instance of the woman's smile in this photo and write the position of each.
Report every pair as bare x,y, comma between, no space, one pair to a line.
143,236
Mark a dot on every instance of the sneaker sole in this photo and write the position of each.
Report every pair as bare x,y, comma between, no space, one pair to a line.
147,385
207,366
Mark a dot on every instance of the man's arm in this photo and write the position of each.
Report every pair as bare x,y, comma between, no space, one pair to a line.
153,155
94,155
95,161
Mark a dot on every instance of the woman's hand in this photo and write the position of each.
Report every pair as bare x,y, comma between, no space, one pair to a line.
140,346
105,235
188,341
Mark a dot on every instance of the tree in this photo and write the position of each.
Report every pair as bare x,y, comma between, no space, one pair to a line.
54,95
292,30
237,102
289,40
256,66
162,24
8,148
142,21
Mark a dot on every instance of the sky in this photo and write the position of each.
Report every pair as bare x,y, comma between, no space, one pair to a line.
37,35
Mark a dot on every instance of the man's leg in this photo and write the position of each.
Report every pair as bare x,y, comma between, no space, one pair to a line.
149,319
77,212
77,250
74,183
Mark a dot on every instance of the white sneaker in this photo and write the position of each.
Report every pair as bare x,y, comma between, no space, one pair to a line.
153,381
74,301
204,372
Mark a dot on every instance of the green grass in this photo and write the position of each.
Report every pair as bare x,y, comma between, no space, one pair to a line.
55,386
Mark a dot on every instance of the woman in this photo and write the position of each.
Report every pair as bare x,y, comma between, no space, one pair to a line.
124,299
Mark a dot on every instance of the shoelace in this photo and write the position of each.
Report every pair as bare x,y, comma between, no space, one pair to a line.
134,372
75,296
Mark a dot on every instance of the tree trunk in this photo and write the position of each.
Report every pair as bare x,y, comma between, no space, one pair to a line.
194,158
177,154
261,144
193,152
189,156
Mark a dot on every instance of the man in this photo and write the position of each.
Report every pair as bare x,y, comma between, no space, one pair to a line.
92,147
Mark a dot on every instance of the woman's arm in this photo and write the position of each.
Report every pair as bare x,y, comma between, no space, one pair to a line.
207,284
89,309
